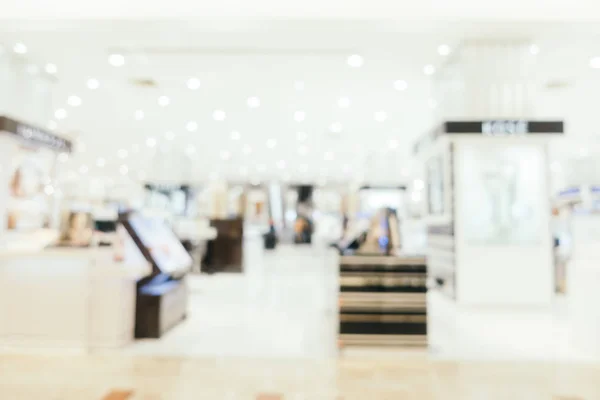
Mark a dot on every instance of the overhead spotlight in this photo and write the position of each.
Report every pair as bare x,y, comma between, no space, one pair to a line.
253,102
116,60
301,136
400,85
191,126
343,102
299,116
51,69
380,116
20,48
336,127
150,142
169,135
534,49
429,69
193,83
93,84
139,115
164,101
355,61
595,63
419,184
235,135
74,101
219,115
444,50
299,85
271,143
61,113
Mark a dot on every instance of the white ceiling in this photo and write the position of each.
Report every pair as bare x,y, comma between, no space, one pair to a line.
237,60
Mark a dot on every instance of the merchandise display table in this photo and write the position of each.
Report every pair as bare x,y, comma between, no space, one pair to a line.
66,298
383,301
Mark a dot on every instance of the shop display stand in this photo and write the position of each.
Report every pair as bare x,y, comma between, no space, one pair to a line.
161,299
382,301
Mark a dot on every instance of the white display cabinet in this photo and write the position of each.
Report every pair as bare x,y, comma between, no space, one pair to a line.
488,211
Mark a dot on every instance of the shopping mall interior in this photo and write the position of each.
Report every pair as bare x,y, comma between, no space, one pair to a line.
329,200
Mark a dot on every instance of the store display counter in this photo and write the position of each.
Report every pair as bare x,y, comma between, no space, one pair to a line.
67,298
382,301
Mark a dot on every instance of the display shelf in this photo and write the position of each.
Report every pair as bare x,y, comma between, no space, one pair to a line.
382,301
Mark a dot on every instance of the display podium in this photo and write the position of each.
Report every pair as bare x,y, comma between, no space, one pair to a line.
488,211
161,301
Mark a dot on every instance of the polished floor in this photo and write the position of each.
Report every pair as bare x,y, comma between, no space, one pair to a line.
118,377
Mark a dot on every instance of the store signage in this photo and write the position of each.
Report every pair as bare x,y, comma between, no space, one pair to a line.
501,128
33,135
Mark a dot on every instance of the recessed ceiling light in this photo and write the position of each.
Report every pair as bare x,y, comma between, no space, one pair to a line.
444,50
419,184
74,101
355,61
299,85
299,116
253,102
393,144
336,127
83,169
51,69
271,143
225,155
534,49
124,169
49,190
400,85
61,113
52,125
595,62
429,69
93,84
169,135
116,60
139,115
235,135
301,136
303,150
20,48
328,156
164,101
247,149
122,153
190,150
150,142
193,83
343,102
219,115
100,162
281,164
63,157
380,116
191,126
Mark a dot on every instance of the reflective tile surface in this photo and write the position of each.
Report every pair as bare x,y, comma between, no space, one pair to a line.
413,376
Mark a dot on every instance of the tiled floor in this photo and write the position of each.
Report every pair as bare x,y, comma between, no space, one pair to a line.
411,378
